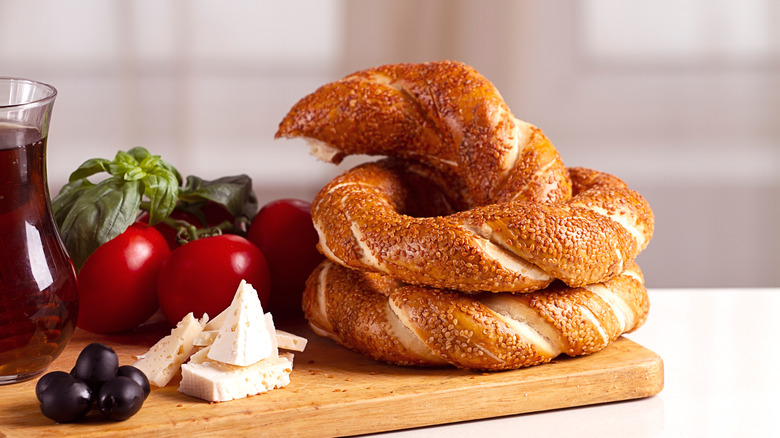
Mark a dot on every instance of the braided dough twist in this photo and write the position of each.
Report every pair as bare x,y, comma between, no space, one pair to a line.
402,324
471,201
443,114
453,124
366,220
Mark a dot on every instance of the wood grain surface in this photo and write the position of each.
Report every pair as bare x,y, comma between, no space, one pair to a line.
335,392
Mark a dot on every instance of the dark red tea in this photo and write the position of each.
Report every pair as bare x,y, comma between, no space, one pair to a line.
38,296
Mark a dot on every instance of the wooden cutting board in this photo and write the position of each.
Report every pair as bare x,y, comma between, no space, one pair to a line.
336,392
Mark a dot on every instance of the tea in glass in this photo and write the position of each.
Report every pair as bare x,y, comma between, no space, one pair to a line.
38,292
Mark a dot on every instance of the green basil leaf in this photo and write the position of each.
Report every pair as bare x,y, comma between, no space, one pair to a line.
89,168
150,162
162,189
68,195
119,168
100,213
162,164
134,174
234,192
126,165
125,159
139,154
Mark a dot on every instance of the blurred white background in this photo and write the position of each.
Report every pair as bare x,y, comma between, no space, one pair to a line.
680,98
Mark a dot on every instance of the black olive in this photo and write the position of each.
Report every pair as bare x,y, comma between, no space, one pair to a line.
95,365
137,375
120,398
66,400
47,379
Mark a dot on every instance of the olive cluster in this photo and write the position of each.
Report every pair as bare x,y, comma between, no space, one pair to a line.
118,392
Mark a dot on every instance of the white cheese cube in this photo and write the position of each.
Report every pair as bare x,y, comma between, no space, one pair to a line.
206,338
269,325
163,360
244,337
289,341
213,381
215,323
200,356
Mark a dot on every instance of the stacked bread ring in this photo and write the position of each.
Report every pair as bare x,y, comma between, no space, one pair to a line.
471,244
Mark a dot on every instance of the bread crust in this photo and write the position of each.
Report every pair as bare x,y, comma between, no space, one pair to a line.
409,325
366,219
471,244
442,114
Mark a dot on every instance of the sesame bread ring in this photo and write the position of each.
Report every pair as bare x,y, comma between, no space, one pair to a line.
388,217
402,324
442,114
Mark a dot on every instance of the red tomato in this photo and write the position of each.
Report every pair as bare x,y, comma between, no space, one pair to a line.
117,284
202,276
284,232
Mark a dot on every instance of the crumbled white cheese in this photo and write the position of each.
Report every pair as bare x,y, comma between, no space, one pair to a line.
163,360
289,341
234,355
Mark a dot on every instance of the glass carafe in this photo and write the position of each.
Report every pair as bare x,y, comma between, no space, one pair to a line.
38,295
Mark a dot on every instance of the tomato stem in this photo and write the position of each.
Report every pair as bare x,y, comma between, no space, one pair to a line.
187,232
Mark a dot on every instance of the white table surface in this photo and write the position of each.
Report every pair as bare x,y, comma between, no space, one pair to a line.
721,353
